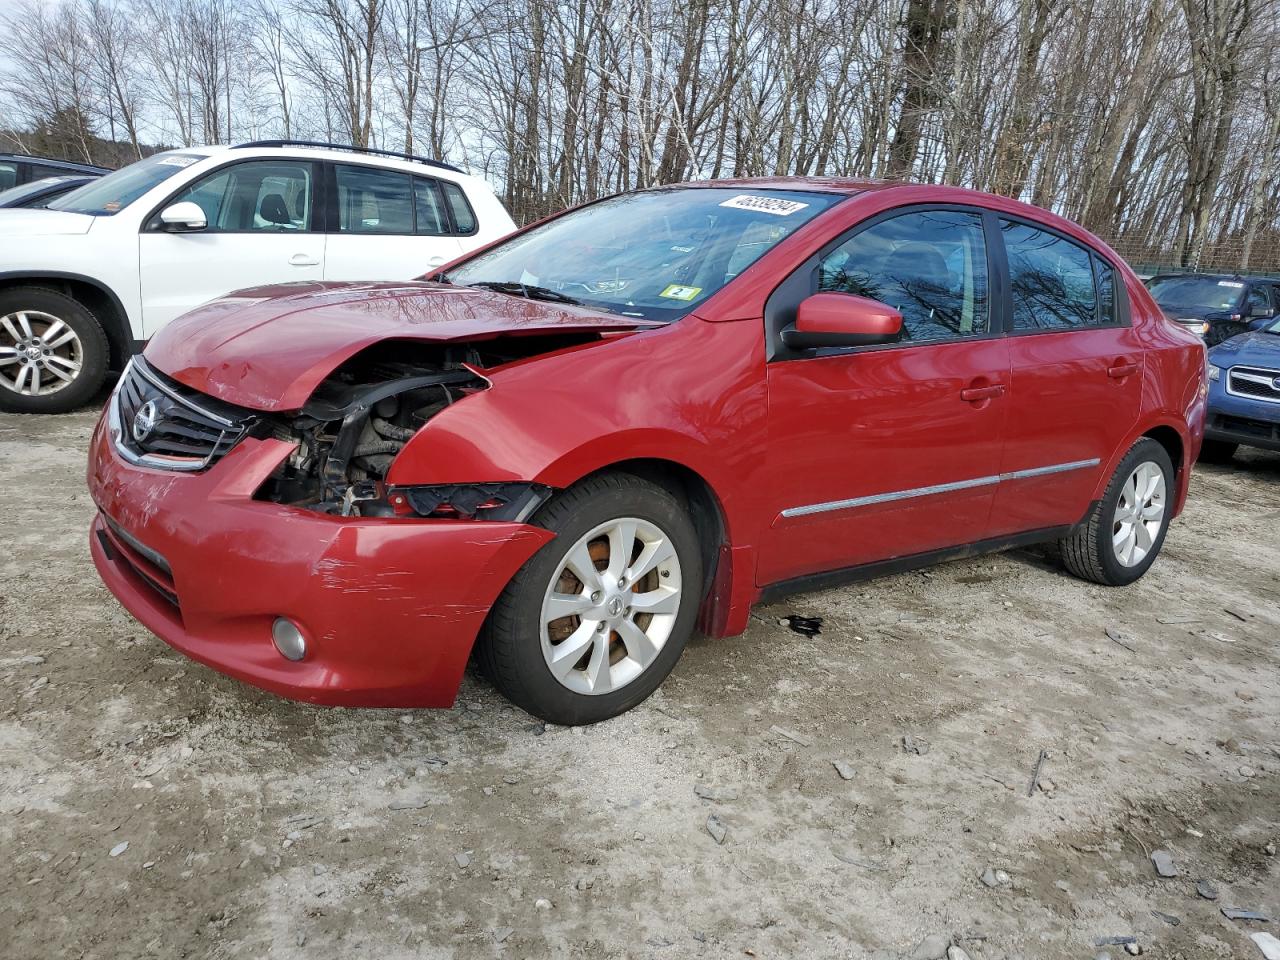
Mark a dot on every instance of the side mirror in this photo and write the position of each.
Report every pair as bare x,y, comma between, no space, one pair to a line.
184,217
1262,313
842,320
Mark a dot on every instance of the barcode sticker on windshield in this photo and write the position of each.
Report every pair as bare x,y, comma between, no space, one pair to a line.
1230,283
774,205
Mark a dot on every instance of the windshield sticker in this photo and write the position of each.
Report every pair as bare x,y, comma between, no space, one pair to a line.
774,205
1230,283
179,161
676,292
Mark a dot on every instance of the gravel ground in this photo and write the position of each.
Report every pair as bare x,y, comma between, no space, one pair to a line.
259,827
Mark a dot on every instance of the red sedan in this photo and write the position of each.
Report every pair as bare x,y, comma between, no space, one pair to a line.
570,450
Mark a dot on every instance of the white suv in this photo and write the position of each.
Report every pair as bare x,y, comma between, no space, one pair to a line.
84,283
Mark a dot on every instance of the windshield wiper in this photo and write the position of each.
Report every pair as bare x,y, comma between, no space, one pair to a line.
528,291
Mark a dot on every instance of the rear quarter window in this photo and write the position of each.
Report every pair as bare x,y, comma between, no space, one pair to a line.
464,219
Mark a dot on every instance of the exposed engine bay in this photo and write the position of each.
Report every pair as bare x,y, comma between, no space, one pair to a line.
362,415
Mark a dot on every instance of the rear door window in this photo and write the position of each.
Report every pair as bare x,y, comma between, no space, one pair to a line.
1051,281
374,201
430,218
8,174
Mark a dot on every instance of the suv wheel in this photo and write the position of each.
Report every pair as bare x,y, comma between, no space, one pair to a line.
595,621
53,352
1217,451
1122,536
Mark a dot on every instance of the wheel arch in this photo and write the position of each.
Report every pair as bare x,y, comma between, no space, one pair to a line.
705,507
1172,437
100,299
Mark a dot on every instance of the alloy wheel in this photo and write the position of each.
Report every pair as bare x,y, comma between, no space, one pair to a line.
39,353
611,606
1139,514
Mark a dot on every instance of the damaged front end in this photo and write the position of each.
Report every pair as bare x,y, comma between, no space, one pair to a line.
359,419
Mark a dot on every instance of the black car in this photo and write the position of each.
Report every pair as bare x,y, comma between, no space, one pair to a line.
1216,306
38,193
18,169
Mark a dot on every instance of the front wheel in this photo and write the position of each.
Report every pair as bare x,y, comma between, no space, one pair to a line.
1122,536
53,352
594,622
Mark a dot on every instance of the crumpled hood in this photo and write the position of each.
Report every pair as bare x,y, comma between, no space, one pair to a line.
19,223
268,348
1256,348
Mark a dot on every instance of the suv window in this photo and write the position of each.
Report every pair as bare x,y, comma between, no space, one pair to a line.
8,175
110,194
374,201
930,266
1257,302
1051,280
428,209
259,196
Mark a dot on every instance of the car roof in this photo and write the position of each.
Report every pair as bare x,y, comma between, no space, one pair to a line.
51,162
845,185
1192,274
331,152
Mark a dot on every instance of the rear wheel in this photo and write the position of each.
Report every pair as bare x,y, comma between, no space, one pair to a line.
53,352
594,622
1123,535
1217,451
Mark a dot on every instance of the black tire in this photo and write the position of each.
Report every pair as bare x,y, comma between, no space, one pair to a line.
1217,451
509,649
93,344
1088,551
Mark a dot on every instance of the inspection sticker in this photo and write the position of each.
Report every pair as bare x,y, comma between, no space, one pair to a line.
178,161
1230,283
774,205
677,292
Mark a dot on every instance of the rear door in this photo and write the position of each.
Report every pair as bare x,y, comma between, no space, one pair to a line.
386,225
1076,382
261,229
883,452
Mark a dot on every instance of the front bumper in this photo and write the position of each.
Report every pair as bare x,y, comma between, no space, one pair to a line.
390,608
1242,420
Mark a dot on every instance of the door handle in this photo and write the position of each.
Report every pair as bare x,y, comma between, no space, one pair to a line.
974,394
304,260
1123,369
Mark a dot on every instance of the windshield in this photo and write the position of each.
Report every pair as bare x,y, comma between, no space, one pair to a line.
110,194
655,254
14,196
1197,294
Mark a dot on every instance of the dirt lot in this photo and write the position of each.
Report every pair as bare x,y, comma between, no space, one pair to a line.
257,826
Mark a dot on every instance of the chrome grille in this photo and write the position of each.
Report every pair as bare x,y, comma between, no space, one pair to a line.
1258,383
157,422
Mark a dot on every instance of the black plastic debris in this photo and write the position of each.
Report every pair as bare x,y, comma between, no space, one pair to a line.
1235,913
805,626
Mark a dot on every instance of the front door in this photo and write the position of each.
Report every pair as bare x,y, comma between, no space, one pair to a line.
260,217
884,452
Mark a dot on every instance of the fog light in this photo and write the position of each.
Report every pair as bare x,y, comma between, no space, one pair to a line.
288,639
